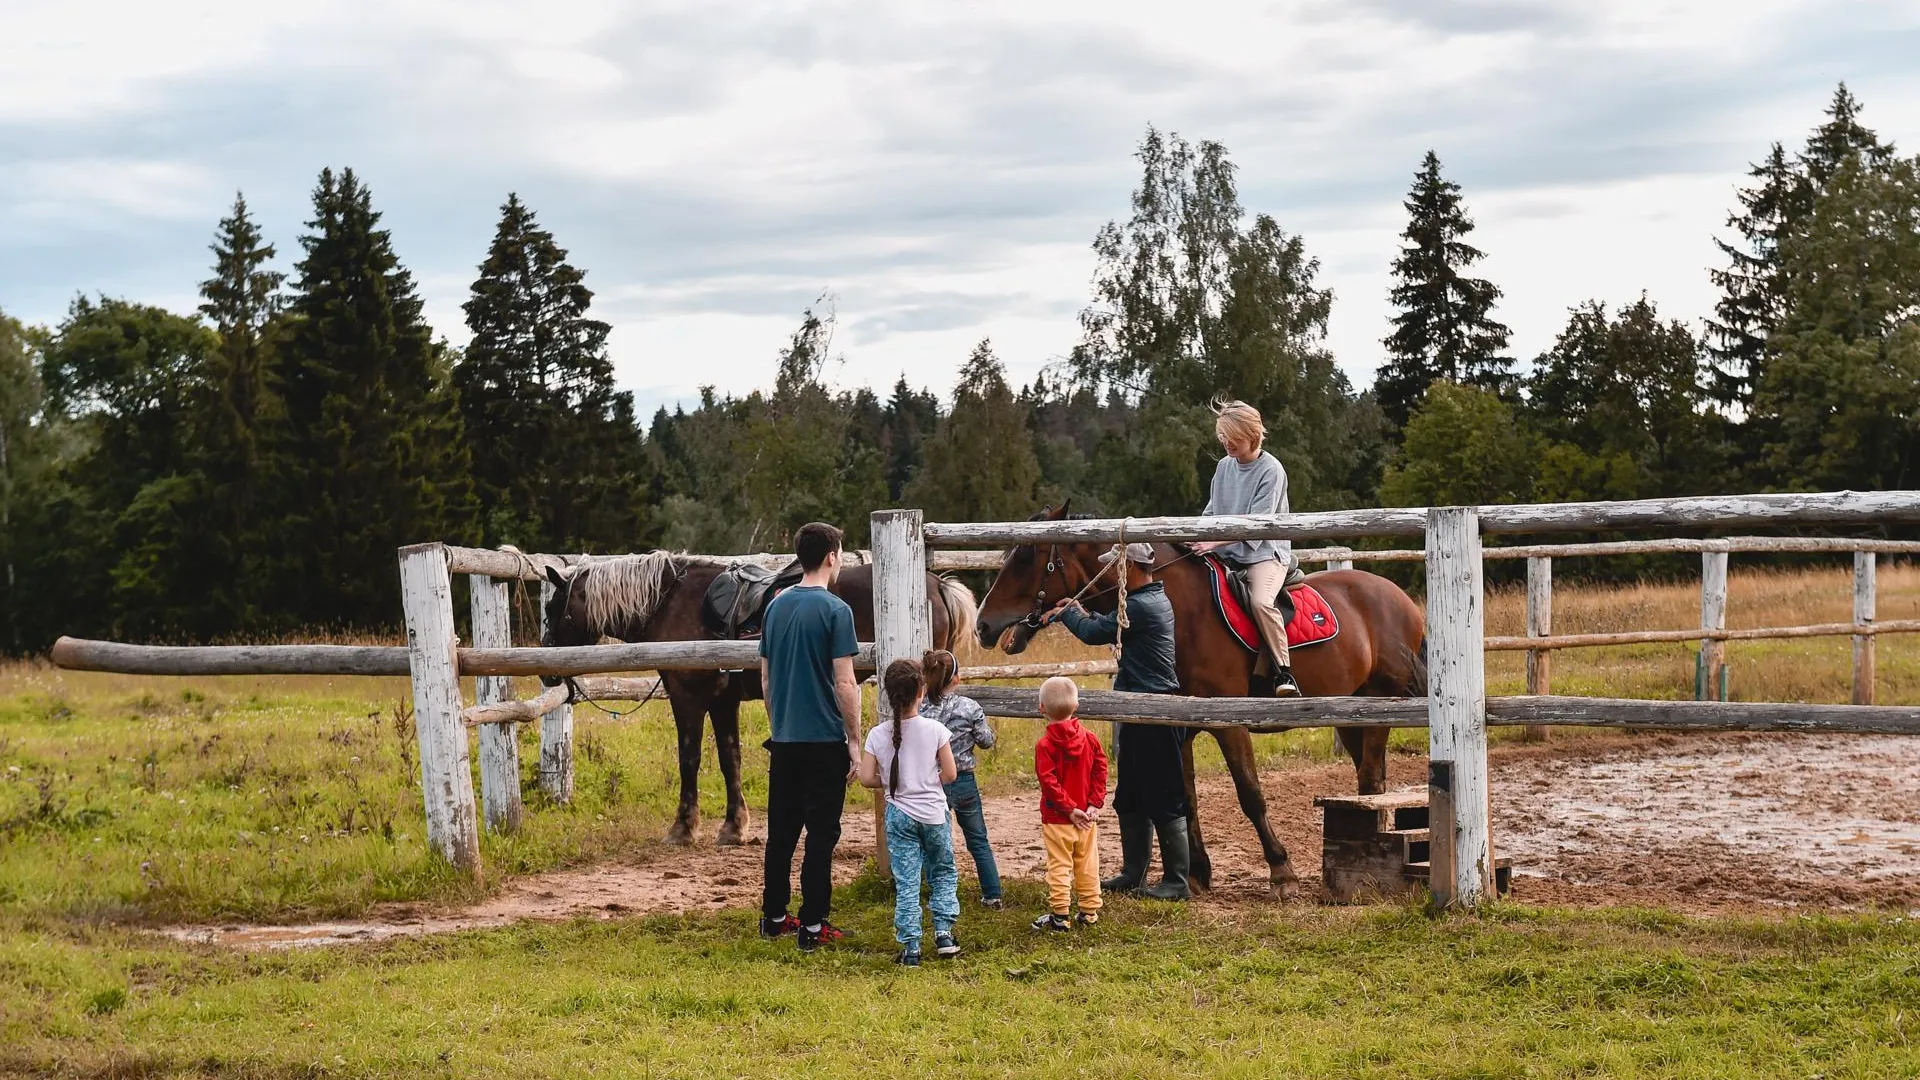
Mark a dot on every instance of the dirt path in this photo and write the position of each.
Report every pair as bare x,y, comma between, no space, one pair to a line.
1701,824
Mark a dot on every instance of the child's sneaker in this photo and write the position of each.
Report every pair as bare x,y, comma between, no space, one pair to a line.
1049,921
908,958
810,940
773,928
1087,918
946,945
992,903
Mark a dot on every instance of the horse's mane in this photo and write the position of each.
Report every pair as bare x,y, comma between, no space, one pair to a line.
626,587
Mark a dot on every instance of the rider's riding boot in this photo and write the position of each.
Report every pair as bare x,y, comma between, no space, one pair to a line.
1283,684
1175,859
1136,850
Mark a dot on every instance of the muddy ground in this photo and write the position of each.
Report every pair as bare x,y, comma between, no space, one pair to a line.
1701,824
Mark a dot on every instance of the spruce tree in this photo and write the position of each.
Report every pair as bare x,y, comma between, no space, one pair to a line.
1753,289
556,451
980,464
237,413
1445,327
911,417
1835,142
372,451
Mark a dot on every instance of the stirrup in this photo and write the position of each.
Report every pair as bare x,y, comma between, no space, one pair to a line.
1285,685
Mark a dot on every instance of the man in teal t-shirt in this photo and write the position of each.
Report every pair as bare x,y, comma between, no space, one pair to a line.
807,646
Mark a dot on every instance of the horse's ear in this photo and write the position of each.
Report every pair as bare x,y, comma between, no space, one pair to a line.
1061,513
554,576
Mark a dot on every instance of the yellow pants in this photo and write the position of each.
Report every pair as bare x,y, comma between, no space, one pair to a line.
1073,866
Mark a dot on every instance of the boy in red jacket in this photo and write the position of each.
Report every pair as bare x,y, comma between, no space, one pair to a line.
1072,768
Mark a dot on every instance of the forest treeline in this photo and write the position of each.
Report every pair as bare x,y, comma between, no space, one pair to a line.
250,467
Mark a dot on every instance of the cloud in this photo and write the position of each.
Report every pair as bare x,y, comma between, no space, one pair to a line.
940,168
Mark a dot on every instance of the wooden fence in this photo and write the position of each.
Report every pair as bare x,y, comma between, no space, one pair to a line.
1457,711
1456,714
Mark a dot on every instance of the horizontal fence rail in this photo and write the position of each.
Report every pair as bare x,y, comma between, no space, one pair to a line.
81,655
510,565
1721,511
1290,714
1644,637
1736,544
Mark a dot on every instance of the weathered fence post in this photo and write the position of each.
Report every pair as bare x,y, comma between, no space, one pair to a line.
1863,613
902,622
446,784
556,732
1713,616
1462,846
1539,624
1339,564
499,743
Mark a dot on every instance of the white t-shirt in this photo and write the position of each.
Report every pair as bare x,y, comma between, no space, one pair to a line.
920,796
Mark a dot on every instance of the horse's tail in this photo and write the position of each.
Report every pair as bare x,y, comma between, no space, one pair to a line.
963,611
1417,671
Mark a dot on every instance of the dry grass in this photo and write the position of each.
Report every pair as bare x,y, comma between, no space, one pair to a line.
1812,669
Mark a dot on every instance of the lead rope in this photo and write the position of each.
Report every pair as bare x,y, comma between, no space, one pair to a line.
1120,569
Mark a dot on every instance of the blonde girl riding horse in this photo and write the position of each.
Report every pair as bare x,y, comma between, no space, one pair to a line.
1249,480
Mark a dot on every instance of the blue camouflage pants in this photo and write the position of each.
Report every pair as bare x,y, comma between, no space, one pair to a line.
911,848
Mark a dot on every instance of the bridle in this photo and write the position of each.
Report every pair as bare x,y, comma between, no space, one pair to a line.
1035,618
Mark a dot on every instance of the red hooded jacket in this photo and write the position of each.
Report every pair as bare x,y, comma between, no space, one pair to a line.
1072,767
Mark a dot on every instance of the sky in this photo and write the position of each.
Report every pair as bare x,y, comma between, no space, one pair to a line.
937,169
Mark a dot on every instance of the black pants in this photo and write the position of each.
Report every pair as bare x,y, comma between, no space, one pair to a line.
1152,772
806,789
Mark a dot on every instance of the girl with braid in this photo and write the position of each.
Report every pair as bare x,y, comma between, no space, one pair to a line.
911,758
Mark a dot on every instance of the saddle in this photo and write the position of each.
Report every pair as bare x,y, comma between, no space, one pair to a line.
735,604
1310,619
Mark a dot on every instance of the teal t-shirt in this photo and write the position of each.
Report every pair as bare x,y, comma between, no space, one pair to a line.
805,631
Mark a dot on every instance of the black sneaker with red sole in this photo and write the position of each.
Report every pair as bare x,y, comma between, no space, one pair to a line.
809,940
773,928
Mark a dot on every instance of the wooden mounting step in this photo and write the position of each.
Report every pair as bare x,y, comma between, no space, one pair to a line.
1392,800
1380,846
1362,817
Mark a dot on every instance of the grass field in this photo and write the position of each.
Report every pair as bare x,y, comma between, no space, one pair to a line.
1156,991
129,801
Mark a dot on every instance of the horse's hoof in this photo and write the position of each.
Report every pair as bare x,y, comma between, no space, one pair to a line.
732,834
681,834
1283,883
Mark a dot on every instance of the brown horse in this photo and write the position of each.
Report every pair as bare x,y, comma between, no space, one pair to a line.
1379,652
656,597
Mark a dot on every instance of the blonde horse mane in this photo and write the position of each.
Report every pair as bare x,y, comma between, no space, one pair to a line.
623,587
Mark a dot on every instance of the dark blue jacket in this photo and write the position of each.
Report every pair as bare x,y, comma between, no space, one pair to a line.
1146,649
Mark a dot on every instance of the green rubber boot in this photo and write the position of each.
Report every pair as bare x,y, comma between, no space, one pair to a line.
1175,860
1136,850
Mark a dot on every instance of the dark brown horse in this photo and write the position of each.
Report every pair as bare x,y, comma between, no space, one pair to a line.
1378,653
656,597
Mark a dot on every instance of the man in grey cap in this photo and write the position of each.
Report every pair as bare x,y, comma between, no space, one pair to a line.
1151,795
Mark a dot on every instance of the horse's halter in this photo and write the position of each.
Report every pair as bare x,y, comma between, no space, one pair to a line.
1034,619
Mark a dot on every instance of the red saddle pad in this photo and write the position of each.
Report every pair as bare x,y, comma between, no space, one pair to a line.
1313,619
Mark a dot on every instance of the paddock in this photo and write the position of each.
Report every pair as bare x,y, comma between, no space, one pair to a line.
1457,713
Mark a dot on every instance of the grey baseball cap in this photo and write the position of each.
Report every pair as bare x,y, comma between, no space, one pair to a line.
1136,553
